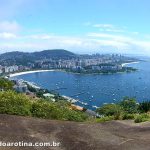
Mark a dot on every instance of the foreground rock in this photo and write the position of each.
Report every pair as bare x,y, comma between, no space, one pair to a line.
114,135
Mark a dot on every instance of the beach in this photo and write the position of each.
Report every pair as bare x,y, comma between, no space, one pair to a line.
27,72
124,64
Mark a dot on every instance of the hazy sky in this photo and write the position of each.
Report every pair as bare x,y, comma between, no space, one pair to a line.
82,26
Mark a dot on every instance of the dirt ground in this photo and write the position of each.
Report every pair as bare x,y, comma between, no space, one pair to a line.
113,135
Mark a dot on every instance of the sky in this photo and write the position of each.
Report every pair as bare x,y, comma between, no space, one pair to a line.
80,26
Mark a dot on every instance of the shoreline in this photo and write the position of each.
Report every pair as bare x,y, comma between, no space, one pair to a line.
27,72
37,71
124,64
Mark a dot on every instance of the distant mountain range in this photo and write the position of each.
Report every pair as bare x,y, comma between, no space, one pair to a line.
17,57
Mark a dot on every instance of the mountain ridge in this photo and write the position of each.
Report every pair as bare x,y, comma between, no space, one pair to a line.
16,57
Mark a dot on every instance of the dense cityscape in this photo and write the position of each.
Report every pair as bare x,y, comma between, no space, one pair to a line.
77,63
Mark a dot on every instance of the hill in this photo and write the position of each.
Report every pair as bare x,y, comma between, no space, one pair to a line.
54,54
114,135
17,57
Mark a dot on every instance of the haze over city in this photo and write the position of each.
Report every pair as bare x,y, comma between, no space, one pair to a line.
78,26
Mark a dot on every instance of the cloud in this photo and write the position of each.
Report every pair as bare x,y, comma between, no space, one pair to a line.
109,36
103,25
108,28
92,42
9,26
9,30
129,43
40,36
6,35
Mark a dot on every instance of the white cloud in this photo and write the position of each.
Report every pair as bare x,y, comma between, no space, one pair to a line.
114,30
131,44
108,28
109,36
103,25
9,26
6,35
90,43
40,37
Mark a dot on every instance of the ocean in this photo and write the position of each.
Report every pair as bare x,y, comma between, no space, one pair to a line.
94,90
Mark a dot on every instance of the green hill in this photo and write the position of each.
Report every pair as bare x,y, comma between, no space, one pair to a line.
23,58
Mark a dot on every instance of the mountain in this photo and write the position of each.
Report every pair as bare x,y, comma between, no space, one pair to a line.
54,54
23,57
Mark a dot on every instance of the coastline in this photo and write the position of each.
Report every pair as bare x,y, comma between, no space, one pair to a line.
52,70
35,71
124,64
27,72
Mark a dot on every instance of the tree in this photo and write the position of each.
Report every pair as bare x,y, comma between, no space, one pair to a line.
144,107
129,105
6,84
109,110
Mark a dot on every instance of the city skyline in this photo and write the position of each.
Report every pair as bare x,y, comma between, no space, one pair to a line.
96,26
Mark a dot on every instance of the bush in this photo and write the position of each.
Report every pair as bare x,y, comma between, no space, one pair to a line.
42,109
14,103
144,107
59,110
141,118
104,119
19,104
72,115
129,105
126,116
109,110
5,84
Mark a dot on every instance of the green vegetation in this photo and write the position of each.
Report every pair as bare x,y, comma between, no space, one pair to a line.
126,116
5,84
129,105
89,70
30,88
22,58
144,107
109,110
142,118
104,119
15,103
20,104
128,108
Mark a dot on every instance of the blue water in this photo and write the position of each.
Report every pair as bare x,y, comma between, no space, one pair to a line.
97,89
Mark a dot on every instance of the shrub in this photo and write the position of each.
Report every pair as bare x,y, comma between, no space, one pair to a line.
109,110
19,104
126,116
144,107
5,84
129,105
141,118
14,103
42,109
50,110
104,119
72,115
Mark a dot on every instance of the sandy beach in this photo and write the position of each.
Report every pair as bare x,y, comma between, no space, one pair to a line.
124,64
27,72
